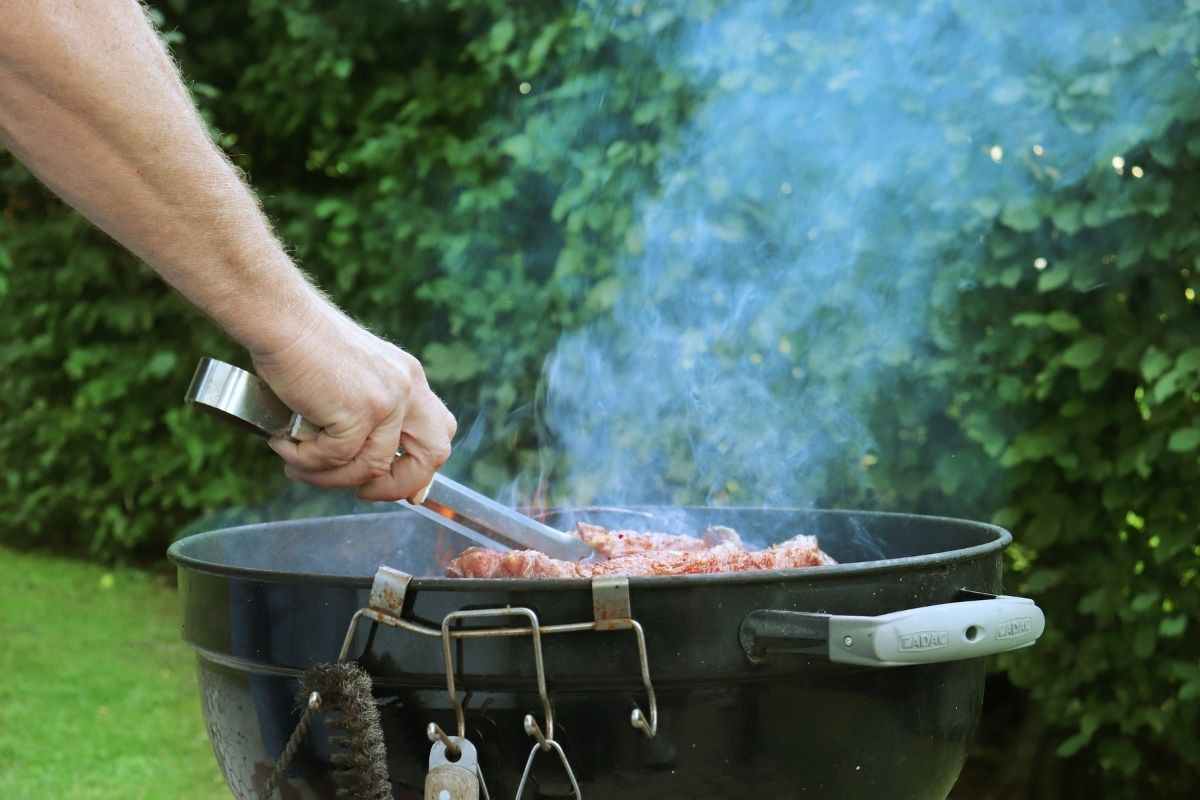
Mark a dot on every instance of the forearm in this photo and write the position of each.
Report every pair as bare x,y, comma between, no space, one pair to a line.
92,104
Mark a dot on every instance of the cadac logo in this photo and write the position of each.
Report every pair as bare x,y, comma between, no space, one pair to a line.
1014,627
924,640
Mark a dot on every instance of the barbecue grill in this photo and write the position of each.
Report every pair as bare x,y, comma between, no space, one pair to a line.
861,680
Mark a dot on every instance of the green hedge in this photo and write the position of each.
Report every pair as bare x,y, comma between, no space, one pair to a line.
996,333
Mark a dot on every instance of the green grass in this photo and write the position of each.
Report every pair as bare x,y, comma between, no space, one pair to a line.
98,696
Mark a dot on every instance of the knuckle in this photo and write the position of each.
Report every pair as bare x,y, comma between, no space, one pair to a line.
411,368
439,454
379,403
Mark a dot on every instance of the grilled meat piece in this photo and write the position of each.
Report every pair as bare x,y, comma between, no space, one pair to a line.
479,562
801,551
640,554
614,544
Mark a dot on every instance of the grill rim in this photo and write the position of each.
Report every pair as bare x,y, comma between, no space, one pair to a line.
1001,538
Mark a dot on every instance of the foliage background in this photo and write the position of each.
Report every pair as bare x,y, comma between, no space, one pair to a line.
393,145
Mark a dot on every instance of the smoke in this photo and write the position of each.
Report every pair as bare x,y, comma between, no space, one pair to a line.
837,183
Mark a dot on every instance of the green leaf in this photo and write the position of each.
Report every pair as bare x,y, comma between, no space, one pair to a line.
161,364
1068,217
1021,217
502,34
1184,440
520,147
1053,278
1011,276
328,207
1168,385
1084,353
1062,321
1154,361
1173,627
1163,153
1074,744
1145,601
1007,517
1041,580
1145,641
1095,214
1189,360
603,295
451,363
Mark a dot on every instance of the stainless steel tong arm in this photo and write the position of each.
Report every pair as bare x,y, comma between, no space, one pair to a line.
242,398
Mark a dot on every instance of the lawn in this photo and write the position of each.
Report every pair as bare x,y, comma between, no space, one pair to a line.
98,697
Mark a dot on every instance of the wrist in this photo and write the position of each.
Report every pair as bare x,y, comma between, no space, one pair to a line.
273,308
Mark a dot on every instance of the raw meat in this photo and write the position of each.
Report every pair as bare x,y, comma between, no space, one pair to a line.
638,554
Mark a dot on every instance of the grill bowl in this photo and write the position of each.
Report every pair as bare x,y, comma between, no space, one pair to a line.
263,602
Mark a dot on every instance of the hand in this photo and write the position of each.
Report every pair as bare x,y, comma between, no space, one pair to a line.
369,397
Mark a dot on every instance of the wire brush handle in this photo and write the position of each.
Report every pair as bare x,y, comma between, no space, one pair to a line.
343,693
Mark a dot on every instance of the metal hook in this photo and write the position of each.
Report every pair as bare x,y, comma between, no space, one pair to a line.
550,745
535,730
612,611
637,718
535,631
435,733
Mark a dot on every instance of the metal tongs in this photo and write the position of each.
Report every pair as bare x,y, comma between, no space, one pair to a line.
244,399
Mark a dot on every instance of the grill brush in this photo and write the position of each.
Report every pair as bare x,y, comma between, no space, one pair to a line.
342,692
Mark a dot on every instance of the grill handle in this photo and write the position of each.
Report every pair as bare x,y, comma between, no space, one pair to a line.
979,625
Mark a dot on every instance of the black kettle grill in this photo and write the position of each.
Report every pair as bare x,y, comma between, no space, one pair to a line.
861,680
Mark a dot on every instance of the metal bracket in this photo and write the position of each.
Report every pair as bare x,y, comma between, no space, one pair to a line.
613,611
610,603
386,604
388,590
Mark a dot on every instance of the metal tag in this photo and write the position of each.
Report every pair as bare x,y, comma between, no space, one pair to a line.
452,780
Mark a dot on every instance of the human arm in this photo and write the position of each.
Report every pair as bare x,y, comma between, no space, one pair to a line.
91,102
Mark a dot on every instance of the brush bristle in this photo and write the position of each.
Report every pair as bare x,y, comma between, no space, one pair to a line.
348,704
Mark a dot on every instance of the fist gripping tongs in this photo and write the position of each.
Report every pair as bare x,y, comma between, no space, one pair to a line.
242,398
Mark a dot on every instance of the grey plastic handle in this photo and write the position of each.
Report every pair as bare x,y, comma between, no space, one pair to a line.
980,625
933,634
